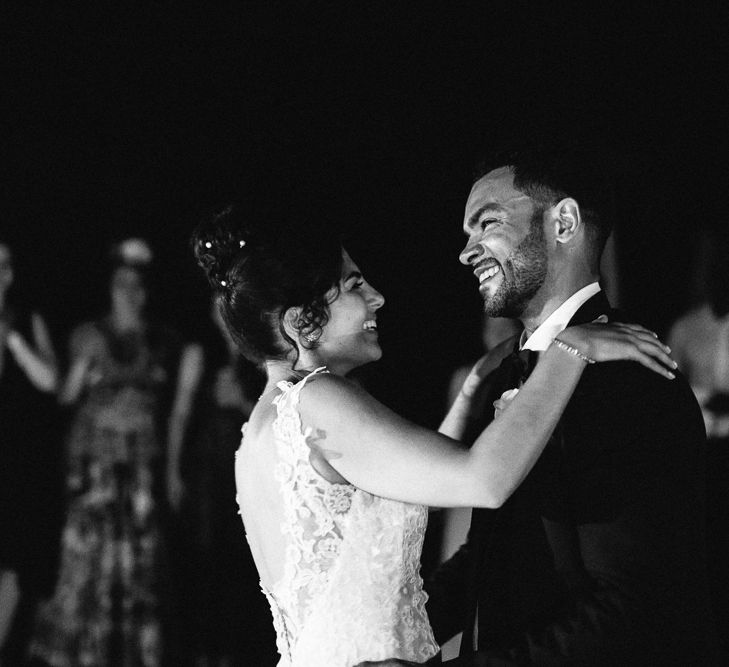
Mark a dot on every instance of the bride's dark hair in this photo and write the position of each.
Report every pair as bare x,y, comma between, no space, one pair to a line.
261,265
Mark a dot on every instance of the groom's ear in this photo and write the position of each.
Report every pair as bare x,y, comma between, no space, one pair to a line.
566,219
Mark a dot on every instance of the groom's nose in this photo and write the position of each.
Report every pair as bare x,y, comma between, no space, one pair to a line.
471,253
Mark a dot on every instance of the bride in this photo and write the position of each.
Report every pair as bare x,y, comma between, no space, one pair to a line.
333,487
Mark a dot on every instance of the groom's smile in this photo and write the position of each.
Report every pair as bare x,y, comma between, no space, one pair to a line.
506,248
486,273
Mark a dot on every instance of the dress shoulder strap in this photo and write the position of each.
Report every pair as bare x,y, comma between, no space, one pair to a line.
287,424
291,390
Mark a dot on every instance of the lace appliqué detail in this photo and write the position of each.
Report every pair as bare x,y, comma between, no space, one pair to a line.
351,588
310,525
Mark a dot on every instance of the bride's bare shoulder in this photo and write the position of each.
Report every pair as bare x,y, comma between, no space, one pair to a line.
328,387
338,402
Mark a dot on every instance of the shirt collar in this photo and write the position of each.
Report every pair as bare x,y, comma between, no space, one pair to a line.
542,337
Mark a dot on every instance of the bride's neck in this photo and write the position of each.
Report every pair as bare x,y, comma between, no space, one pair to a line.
278,371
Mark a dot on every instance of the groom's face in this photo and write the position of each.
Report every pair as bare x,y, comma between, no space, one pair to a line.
506,246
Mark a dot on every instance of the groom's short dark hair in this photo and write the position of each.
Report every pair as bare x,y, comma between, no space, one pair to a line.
549,174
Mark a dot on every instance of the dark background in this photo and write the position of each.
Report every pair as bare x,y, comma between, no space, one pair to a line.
123,120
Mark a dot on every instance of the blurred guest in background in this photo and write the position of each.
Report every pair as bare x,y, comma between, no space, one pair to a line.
226,619
108,604
28,377
700,343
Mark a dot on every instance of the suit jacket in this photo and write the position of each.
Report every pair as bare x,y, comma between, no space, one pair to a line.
598,558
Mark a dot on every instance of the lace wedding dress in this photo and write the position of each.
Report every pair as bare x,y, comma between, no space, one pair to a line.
351,588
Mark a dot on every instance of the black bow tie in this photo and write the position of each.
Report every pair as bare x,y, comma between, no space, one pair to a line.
517,366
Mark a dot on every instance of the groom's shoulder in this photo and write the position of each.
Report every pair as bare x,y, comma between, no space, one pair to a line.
628,386
622,406
630,380
633,380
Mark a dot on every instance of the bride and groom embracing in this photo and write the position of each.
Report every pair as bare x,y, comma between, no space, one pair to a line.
588,547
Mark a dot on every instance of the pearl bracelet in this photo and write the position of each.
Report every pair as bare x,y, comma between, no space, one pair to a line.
573,350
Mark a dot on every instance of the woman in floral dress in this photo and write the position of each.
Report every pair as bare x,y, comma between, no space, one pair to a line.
106,609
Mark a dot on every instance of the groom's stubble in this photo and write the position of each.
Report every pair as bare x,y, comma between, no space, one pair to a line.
525,271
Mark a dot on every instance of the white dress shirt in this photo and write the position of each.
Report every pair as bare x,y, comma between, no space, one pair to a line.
557,322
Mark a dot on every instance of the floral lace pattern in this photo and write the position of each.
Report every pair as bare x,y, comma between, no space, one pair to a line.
351,588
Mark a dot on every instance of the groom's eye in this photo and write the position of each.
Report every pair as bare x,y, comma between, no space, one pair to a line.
488,222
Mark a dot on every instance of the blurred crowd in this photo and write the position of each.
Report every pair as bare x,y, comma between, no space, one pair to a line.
120,541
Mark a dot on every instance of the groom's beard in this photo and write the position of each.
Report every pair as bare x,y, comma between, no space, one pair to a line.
525,271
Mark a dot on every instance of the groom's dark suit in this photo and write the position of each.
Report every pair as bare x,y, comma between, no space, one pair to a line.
598,558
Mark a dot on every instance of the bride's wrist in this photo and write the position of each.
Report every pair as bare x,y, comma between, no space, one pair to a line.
575,342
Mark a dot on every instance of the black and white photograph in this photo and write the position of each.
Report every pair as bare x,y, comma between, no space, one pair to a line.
381,334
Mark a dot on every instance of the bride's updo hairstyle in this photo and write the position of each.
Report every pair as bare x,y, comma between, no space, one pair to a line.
260,265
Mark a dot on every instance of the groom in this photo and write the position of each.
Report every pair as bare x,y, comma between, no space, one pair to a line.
598,558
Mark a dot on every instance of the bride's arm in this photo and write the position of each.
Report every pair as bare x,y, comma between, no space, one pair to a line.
380,452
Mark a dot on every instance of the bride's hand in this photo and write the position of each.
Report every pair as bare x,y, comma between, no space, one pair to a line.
617,341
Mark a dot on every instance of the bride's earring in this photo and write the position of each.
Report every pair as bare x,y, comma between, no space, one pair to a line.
312,336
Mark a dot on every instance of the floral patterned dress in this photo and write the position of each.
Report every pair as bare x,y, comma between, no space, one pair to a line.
106,606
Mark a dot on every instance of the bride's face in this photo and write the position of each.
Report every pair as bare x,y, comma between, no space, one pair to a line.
350,339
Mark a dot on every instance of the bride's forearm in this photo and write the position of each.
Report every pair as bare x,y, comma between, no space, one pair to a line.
506,451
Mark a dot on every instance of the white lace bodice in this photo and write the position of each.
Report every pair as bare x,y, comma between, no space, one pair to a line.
351,587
